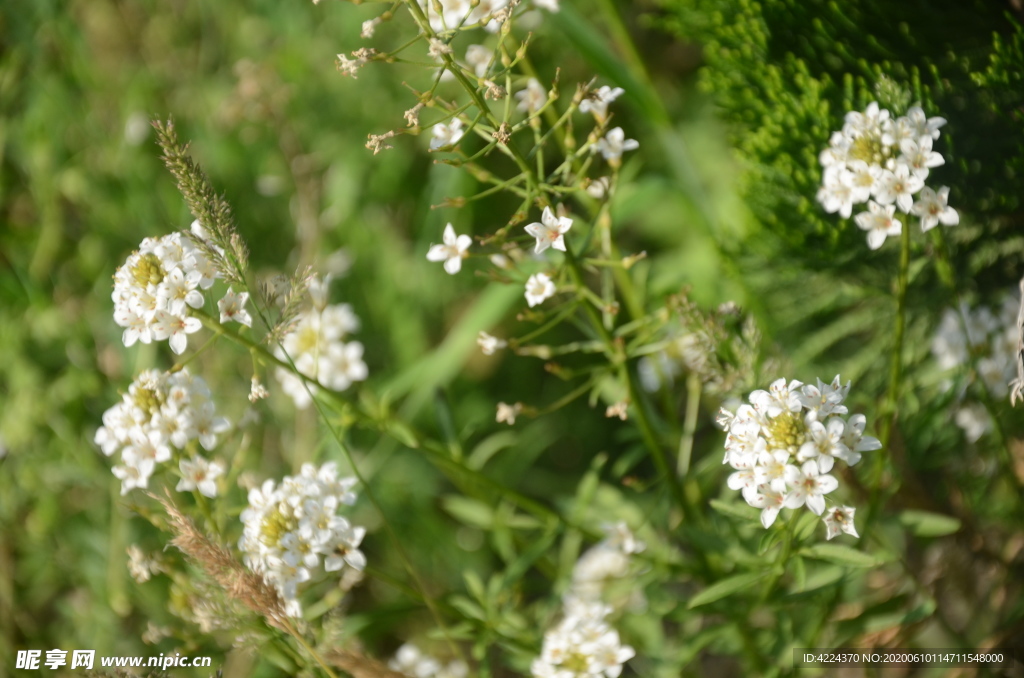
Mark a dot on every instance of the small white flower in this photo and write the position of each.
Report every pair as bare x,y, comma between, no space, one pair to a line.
446,134
478,58
507,413
599,187
232,307
549,5
199,474
549,231
533,98
919,156
175,329
840,519
538,288
488,344
769,501
452,251
932,207
879,223
808,486
614,144
597,102
898,186
837,193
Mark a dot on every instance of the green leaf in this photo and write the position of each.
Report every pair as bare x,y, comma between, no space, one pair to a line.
841,555
735,510
927,524
469,511
725,588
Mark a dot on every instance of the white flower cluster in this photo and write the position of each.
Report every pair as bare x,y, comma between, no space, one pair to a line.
161,411
583,644
157,285
316,346
785,441
415,663
992,338
292,529
884,161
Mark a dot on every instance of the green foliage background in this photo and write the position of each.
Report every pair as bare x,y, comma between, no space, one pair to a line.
722,198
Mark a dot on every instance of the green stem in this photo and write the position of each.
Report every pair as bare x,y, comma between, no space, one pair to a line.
693,393
639,411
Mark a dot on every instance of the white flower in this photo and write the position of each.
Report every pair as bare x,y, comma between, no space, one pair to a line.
175,329
837,193
507,413
134,476
932,208
199,474
921,125
549,5
292,530
599,187
533,98
919,156
159,410
840,519
898,186
825,443
855,441
879,223
538,288
232,307
452,251
446,134
808,486
786,439
597,102
479,58
769,501
550,231
341,364
614,144
488,344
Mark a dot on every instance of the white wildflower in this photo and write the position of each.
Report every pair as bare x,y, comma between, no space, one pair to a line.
489,344
445,135
550,231
452,251
538,288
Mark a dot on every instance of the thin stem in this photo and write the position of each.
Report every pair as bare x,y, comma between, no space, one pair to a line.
313,653
693,393
639,411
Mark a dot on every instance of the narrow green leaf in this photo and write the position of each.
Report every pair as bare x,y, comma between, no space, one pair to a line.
841,555
926,524
735,510
469,511
725,588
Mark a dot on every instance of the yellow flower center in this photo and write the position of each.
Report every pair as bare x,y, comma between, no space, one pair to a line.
148,270
786,431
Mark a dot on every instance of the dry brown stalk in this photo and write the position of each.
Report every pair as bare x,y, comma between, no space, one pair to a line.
240,583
